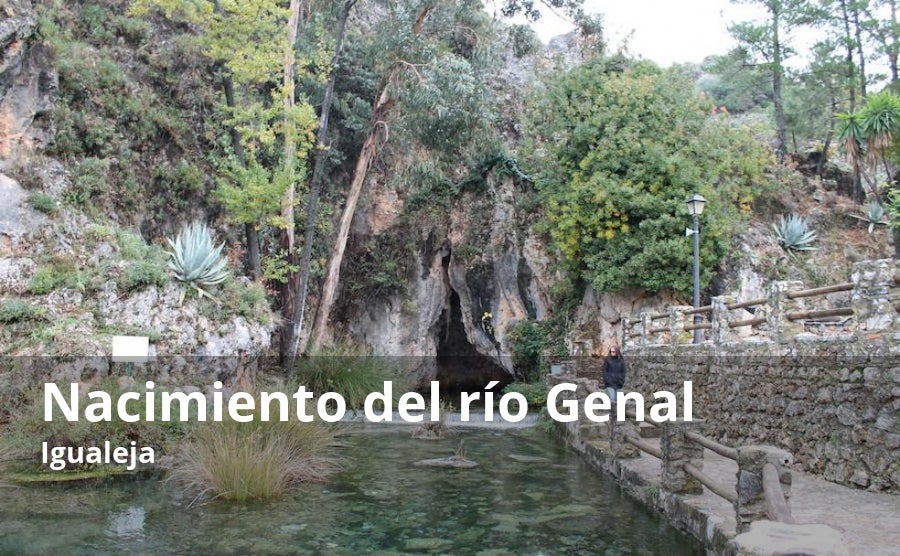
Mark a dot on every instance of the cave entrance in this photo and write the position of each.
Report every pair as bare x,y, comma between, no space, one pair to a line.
460,368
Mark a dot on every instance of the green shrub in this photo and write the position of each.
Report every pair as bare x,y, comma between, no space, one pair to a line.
140,274
535,393
615,148
347,370
90,181
42,202
794,234
16,310
247,299
58,274
252,461
524,40
528,341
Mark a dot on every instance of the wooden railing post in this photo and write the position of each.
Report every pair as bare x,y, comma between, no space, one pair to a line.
721,333
871,299
751,499
678,450
781,328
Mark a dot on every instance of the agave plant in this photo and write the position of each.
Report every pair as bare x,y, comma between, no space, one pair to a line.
194,259
874,214
794,234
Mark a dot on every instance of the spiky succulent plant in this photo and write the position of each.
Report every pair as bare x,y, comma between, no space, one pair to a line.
794,233
194,259
874,214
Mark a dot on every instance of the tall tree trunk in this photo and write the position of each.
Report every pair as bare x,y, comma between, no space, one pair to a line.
852,77
893,47
854,10
252,264
777,71
289,288
851,67
315,189
823,159
383,104
364,162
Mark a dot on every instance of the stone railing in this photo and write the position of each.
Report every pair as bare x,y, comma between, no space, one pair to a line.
763,479
865,311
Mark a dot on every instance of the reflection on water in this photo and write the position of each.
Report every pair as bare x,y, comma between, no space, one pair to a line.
529,496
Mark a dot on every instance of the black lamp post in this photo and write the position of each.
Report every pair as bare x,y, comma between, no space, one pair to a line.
696,203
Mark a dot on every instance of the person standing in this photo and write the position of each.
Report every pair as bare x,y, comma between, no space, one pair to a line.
613,373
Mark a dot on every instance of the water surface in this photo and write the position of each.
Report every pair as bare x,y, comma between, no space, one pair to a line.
530,495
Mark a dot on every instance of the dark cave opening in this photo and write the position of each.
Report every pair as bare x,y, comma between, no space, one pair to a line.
460,368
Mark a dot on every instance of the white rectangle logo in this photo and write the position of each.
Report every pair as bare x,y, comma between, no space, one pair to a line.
130,349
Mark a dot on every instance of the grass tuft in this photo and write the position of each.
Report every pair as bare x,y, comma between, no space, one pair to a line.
347,370
252,461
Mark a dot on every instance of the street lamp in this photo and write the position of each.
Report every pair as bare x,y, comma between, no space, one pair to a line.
696,203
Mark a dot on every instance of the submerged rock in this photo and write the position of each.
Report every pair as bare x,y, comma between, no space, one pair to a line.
528,459
452,461
427,544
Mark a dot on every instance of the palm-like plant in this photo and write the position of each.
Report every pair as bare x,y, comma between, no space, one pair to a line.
880,120
872,130
794,233
195,260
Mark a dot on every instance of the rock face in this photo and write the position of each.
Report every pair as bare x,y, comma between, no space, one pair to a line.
489,272
28,84
462,304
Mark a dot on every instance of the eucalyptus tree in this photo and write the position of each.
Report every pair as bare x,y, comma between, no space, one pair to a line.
294,323
426,56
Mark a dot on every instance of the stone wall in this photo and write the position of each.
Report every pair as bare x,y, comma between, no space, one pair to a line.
833,404
825,389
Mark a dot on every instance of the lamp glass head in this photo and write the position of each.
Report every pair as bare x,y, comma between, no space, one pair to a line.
696,204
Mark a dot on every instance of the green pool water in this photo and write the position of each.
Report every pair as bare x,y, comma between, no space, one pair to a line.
530,495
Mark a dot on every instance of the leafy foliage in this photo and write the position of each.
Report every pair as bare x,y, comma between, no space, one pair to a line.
615,150
16,310
120,117
195,260
43,203
794,234
535,392
524,41
528,341
872,133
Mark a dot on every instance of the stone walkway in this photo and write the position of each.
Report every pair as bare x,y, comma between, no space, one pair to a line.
868,521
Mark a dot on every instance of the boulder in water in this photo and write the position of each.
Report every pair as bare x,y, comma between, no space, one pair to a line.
455,462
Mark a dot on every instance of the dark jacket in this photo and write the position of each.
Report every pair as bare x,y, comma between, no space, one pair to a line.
614,372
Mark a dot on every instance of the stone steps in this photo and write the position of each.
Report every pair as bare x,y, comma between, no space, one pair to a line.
649,431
